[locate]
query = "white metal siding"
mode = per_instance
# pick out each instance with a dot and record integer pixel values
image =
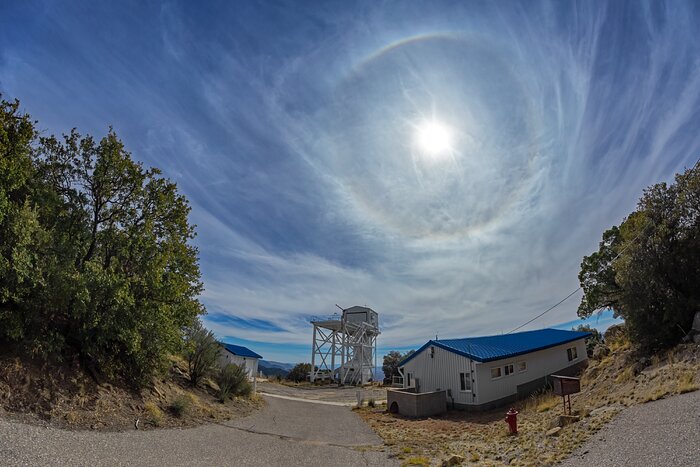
(539, 364)
(443, 369)
(441, 372)
(249, 363)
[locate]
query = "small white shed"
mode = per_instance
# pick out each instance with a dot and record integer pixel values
(484, 372)
(239, 355)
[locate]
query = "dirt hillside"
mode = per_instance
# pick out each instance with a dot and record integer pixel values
(65, 396)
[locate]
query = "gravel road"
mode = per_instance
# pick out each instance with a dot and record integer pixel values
(661, 433)
(288, 433)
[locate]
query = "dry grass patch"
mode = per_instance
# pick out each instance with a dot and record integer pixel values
(686, 383)
(153, 413)
(416, 461)
(626, 375)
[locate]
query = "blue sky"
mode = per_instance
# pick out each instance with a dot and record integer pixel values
(291, 127)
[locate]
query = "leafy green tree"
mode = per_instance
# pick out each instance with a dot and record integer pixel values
(595, 339)
(201, 352)
(20, 230)
(299, 372)
(597, 276)
(646, 271)
(390, 365)
(96, 259)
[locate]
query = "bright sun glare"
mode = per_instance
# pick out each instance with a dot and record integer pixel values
(433, 138)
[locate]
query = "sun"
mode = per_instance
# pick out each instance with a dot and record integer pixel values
(433, 138)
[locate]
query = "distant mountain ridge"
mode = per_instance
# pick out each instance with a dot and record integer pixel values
(272, 368)
(280, 365)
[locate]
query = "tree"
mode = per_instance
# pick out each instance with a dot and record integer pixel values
(647, 270)
(96, 260)
(130, 274)
(597, 276)
(20, 230)
(299, 372)
(390, 366)
(201, 352)
(595, 339)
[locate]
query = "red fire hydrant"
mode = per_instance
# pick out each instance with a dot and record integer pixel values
(512, 420)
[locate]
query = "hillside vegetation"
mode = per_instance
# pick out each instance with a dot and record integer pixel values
(97, 268)
(647, 269)
(99, 286)
(64, 396)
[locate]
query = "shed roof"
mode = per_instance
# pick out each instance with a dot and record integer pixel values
(240, 351)
(489, 348)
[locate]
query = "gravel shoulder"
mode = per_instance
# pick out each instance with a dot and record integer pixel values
(661, 433)
(288, 433)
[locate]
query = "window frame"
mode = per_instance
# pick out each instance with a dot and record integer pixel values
(465, 377)
(572, 353)
(500, 372)
(524, 364)
(506, 371)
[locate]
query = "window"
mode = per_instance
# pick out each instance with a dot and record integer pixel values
(409, 377)
(465, 381)
(572, 353)
(508, 369)
(496, 372)
(522, 366)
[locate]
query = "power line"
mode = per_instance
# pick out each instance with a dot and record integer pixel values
(546, 311)
(695, 166)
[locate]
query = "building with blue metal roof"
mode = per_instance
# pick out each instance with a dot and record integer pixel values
(242, 356)
(241, 351)
(487, 371)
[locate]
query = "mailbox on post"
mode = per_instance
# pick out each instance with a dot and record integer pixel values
(564, 386)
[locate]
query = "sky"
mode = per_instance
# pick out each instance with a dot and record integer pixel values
(297, 131)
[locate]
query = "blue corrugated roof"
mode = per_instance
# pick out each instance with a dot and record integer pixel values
(240, 351)
(489, 348)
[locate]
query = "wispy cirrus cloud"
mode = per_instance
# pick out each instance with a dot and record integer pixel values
(291, 129)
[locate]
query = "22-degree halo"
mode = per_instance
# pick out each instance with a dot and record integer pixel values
(465, 83)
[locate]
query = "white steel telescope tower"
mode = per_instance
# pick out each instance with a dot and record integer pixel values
(345, 349)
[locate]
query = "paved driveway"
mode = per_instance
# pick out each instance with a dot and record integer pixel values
(346, 395)
(285, 433)
(661, 433)
(310, 422)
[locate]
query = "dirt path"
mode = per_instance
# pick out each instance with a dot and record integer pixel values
(288, 433)
(661, 433)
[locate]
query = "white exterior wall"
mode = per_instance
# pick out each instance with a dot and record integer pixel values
(249, 363)
(539, 364)
(442, 372)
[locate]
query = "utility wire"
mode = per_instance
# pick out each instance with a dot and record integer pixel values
(696, 166)
(546, 311)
